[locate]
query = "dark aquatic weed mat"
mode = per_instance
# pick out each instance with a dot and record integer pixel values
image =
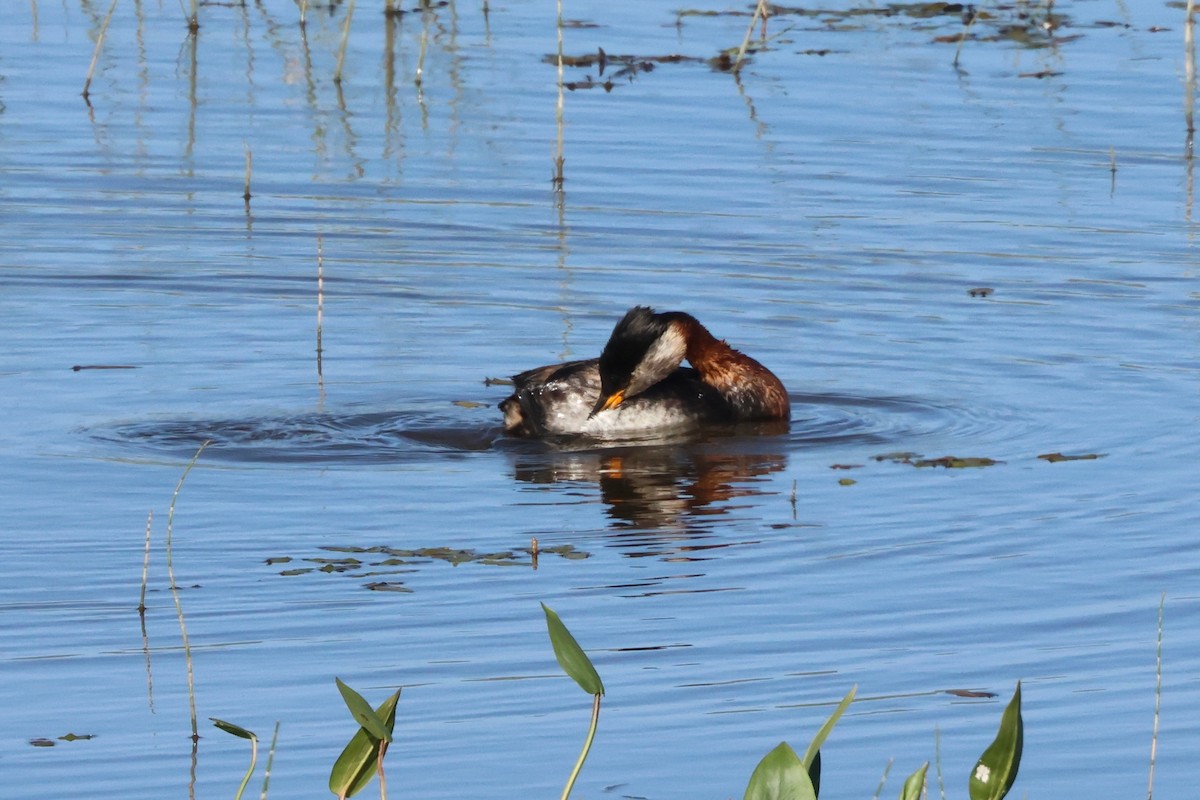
(619, 67)
(944, 23)
(383, 561)
(1025, 24)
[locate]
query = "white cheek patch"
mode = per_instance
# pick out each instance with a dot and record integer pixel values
(663, 357)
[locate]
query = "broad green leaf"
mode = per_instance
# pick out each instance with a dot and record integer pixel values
(362, 712)
(236, 730)
(914, 784)
(997, 767)
(356, 765)
(570, 655)
(780, 776)
(814, 746)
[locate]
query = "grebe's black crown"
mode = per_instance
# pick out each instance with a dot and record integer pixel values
(631, 339)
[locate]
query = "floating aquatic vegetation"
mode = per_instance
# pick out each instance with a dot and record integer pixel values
(1056, 457)
(381, 561)
(898, 457)
(42, 741)
(954, 462)
(627, 67)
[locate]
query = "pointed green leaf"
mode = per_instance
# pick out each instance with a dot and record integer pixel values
(997, 767)
(571, 656)
(362, 712)
(914, 784)
(780, 776)
(814, 746)
(236, 730)
(356, 765)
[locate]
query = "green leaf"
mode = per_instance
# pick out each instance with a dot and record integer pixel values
(236, 730)
(362, 712)
(997, 767)
(780, 776)
(356, 765)
(814, 747)
(571, 656)
(914, 784)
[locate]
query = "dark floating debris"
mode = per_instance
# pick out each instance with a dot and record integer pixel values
(627, 67)
(954, 462)
(981, 291)
(82, 367)
(387, 586)
(899, 457)
(1056, 457)
(969, 693)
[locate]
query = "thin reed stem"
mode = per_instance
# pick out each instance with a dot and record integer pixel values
(337, 73)
(937, 757)
(1189, 66)
(973, 15)
(193, 18)
(87, 84)
(187, 650)
(145, 564)
(320, 298)
(249, 163)
(419, 78)
(559, 159)
(270, 761)
(1157, 696)
(883, 780)
(760, 12)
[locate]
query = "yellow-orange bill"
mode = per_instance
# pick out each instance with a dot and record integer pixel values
(614, 400)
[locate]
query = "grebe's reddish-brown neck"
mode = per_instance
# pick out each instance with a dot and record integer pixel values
(751, 389)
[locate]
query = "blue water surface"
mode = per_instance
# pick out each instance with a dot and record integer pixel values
(990, 261)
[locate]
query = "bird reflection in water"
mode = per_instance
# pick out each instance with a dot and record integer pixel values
(660, 500)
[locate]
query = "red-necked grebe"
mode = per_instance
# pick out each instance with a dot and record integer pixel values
(638, 387)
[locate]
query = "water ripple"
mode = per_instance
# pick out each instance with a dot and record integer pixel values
(818, 420)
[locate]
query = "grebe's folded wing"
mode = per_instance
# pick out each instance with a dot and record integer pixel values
(540, 375)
